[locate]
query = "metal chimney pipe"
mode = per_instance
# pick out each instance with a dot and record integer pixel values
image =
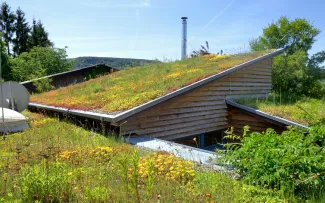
(184, 37)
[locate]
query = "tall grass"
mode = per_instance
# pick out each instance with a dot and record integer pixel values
(57, 161)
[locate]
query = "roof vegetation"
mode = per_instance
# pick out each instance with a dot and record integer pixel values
(303, 110)
(129, 88)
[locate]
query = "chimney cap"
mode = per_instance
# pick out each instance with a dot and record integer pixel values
(184, 18)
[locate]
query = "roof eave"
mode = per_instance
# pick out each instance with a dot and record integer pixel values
(88, 114)
(265, 115)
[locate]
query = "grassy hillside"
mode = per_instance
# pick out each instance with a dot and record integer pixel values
(59, 162)
(120, 63)
(132, 87)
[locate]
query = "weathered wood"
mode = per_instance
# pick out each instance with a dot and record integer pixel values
(207, 127)
(194, 132)
(241, 84)
(194, 104)
(148, 124)
(179, 126)
(237, 88)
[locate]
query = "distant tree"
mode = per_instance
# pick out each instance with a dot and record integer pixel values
(40, 61)
(39, 36)
(294, 71)
(298, 34)
(7, 19)
(22, 30)
(5, 66)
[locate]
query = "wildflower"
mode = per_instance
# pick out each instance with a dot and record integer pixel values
(50, 195)
(194, 139)
(5, 179)
(70, 173)
(208, 195)
(246, 159)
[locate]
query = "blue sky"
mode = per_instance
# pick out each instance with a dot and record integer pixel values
(151, 29)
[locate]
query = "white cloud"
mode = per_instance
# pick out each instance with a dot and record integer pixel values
(145, 3)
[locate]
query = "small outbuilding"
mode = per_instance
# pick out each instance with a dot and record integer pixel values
(72, 77)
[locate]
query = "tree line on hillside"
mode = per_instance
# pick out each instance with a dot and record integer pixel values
(26, 50)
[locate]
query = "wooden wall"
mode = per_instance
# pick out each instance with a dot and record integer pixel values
(202, 109)
(238, 118)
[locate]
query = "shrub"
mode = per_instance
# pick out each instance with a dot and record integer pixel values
(43, 85)
(293, 162)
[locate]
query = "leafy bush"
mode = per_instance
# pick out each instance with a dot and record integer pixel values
(40, 61)
(293, 75)
(293, 72)
(43, 85)
(293, 162)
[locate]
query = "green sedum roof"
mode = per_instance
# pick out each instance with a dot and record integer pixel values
(132, 87)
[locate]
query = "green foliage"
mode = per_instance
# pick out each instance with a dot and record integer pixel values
(293, 72)
(7, 19)
(43, 85)
(38, 36)
(293, 162)
(298, 34)
(224, 189)
(44, 182)
(40, 61)
(57, 161)
(5, 66)
(22, 33)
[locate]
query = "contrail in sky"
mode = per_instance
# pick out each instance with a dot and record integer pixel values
(216, 16)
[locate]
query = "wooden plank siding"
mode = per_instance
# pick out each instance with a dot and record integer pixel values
(203, 109)
(238, 119)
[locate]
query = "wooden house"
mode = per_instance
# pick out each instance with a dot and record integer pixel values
(72, 77)
(204, 109)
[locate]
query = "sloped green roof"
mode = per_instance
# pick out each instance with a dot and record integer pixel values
(129, 88)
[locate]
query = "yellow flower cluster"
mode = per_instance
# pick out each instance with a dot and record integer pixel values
(175, 75)
(40, 122)
(214, 57)
(99, 153)
(166, 165)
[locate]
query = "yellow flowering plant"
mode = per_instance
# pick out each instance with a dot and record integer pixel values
(165, 165)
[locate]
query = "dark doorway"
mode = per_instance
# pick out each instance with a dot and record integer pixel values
(208, 141)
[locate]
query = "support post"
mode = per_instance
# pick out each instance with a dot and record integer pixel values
(201, 141)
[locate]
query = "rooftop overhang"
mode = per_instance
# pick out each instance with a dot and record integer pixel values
(265, 116)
